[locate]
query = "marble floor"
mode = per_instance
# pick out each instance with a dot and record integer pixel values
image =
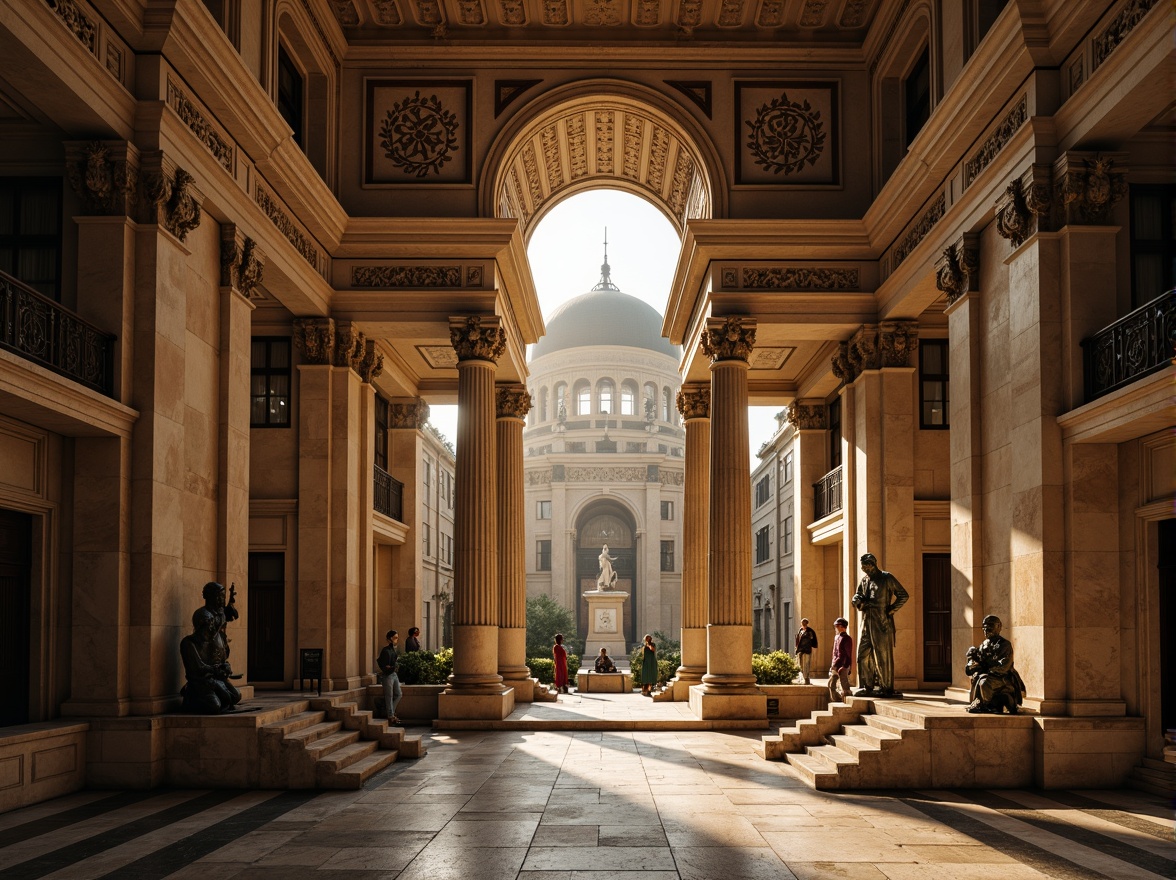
(558, 805)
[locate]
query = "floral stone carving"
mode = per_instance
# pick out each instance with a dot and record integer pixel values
(477, 338)
(785, 135)
(513, 401)
(732, 339)
(419, 135)
(694, 402)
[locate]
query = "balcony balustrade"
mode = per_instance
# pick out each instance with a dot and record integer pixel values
(1133, 347)
(42, 331)
(827, 494)
(388, 494)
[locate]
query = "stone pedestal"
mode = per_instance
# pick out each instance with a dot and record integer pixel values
(606, 618)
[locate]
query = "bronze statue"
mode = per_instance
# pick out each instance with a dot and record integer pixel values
(996, 685)
(878, 596)
(206, 654)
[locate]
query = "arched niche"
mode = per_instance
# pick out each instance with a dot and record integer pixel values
(602, 134)
(606, 521)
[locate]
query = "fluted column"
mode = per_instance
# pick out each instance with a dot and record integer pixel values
(694, 405)
(728, 689)
(513, 404)
(475, 687)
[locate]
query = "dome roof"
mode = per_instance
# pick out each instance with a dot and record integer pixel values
(604, 316)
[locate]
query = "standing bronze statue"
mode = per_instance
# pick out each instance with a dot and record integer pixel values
(205, 654)
(996, 685)
(878, 596)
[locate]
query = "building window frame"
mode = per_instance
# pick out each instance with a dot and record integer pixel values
(786, 467)
(542, 510)
(763, 545)
(916, 96)
(763, 490)
(543, 554)
(667, 511)
(381, 444)
(275, 404)
(934, 384)
(18, 243)
(786, 549)
(291, 94)
(1163, 246)
(834, 417)
(667, 556)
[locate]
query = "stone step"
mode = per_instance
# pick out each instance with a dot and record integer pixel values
(328, 766)
(1162, 766)
(293, 723)
(813, 772)
(890, 724)
(355, 775)
(320, 748)
(857, 741)
(306, 735)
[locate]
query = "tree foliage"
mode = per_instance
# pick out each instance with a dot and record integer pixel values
(545, 618)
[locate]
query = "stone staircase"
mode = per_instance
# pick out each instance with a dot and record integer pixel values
(331, 742)
(1157, 777)
(813, 730)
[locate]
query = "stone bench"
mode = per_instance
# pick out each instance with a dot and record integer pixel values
(604, 682)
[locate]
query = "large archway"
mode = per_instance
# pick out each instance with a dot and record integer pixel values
(606, 522)
(602, 133)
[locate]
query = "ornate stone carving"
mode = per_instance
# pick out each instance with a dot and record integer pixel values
(370, 364)
(242, 263)
(800, 278)
(531, 169)
(345, 13)
(555, 12)
(689, 14)
(412, 415)
(577, 146)
(813, 13)
(199, 126)
(842, 366)
(428, 13)
(406, 276)
(537, 478)
(680, 189)
(729, 339)
(1016, 219)
(898, 341)
(854, 13)
(863, 350)
(174, 202)
(349, 343)
(730, 13)
(512, 12)
(605, 474)
(77, 21)
(1116, 32)
(1088, 186)
(631, 151)
(387, 13)
(995, 142)
(513, 401)
(273, 209)
(549, 140)
(807, 416)
(786, 135)
(418, 135)
(659, 149)
(604, 141)
(694, 401)
(104, 175)
(958, 269)
(671, 478)
(470, 12)
(646, 13)
(602, 13)
(477, 338)
(315, 338)
(919, 231)
(771, 14)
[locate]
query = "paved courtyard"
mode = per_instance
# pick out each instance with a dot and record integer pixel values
(560, 805)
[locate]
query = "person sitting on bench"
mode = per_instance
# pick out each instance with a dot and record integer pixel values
(604, 662)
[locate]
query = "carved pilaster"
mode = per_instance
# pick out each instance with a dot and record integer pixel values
(958, 270)
(729, 339)
(242, 262)
(104, 174)
(370, 364)
(171, 198)
(898, 341)
(413, 414)
(694, 401)
(807, 416)
(477, 338)
(512, 401)
(315, 338)
(1088, 185)
(841, 365)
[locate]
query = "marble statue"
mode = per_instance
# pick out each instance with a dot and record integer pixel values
(996, 685)
(878, 596)
(607, 579)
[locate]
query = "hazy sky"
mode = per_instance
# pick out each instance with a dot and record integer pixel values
(567, 249)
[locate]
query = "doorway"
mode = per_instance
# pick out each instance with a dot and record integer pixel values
(1167, 608)
(16, 557)
(267, 616)
(937, 617)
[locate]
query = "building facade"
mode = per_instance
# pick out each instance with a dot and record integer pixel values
(773, 529)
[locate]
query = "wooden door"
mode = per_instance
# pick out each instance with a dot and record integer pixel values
(15, 583)
(937, 617)
(267, 617)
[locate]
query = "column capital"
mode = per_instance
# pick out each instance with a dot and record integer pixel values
(242, 261)
(694, 401)
(408, 414)
(513, 401)
(170, 195)
(958, 270)
(807, 416)
(370, 363)
(1087, 185)
(104, 174)
(898, 340)
(315, 338)
(729, 339)
(477, 337)
(1024, 204)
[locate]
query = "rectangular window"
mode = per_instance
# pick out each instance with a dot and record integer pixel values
(544, 510)
(763, 545)
(916, 90)
(667, 555)
(30, 232)
(269, 382)
(835, 434)
(290, 86)
(763, 490)
(1153, 241)
(788, 468)
(381, 433)
(543, 555)
(447, 549)
(428, 481)
(449, 490)
(933, 383)
(426, 544)
(787, 536)
(667, 510)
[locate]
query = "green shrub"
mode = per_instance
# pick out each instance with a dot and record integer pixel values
(543, 668)
(425, 667)
(778, 667)
(545, 618)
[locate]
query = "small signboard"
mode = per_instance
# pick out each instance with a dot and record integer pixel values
(310, 667)
(773, 706)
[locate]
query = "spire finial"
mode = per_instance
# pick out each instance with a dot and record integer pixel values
(605, 282)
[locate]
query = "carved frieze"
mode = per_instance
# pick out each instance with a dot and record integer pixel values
(813, 13)
(602, 13)
(659, 149)
(406, 276)
(273, 209)
(731, 13)
(471, 12)
(77, 21)
(104, 175)
(604, 142)
(428, 13)
(387, 13)
(577, 146)
(634, 135)
(552, 162)
(898, 341)
(192, 117)
(995, 142)
(242, 262)
(556, 13)
(796, 278)
(771, 14)
(412, 415)
(689, 14)
(694, 401)
(531, 170)
(537, 478)
(1119, 28)
(512, 401)
(345, 13)
(807, 416)
(729, 338)
(513, 13)
(1088, 185)
(315, 338)
(919, 231)
(958, 269)
(646, 13)
(680, 187)
(671, 478)
(853, 15)
(605, 474)
(173, 201)
(477, 338)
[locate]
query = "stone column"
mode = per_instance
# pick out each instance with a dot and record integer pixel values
(399, 589)
(694, 405)
(808, 418)
(513, 405)
(475, 688)
(728, 689)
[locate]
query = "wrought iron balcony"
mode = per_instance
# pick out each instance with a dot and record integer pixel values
(388, 494)
(827, 494)
(1133, 347)
(40, 330)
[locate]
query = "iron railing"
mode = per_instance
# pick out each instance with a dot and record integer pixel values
(388, 494)
(827, 494)
(1133, 347)
(40, 330)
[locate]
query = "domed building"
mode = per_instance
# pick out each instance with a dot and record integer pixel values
(604, 447)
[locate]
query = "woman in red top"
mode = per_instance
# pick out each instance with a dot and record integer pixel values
(561, 664)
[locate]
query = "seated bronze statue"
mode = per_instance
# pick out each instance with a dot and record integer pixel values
(208, 691)
(996, 685)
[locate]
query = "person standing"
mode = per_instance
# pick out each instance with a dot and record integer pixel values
(560, 654)
(841, 663)
(413, 642)
(806, 642)
(878, 596)
(388, 663)
(648, 666)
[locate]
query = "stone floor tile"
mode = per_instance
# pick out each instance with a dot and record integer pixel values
(464, 863)
(566, 835)
(820, 846)
(586, 814)
(730, 863)
(710, 831)
(959, 872)
(302, 856)
(208, 871)
(371, 858)
(601, 858)
(490, 833)
(838, 871)
(251, 847)
(632, 835)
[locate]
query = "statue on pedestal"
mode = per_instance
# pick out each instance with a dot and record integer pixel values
(607, 580)
(996, 684)
(205, 654)
(878, 596)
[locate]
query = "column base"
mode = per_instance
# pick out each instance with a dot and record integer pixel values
(458, 706)
(728, 706)
(524, 688)
(681, 683)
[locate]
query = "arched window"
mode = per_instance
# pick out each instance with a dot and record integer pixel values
(666, 407)
(650, 401)
(560, 399)
(628, 399)
(542, 405)
(583, 399)
(604, 396)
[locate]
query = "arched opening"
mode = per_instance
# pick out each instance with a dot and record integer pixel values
(606, 522)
